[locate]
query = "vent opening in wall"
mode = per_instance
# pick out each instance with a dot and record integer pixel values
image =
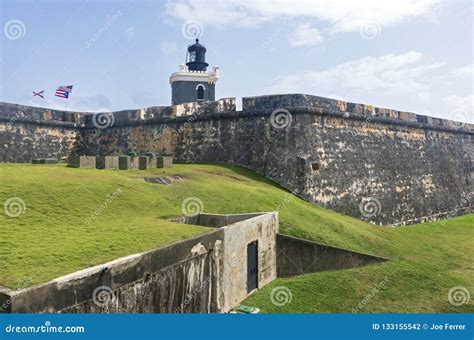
(315, 166)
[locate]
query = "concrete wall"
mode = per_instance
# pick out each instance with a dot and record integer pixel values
(198, 275)
(215, 220)
(161, 280)
(239, 231)
(263, 229)
(297, 256)
(5, 300)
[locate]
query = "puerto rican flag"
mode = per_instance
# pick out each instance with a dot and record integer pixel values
(63, 91)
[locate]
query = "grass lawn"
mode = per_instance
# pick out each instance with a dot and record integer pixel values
(52, 237)
(426, 262)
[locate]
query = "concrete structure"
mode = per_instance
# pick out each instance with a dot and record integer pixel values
(376, 164)
(77, 161)
(196, 108)
(210, 273)
(164, 162)
(297, 256)
(146, 162)
(107, 162)
(128, 163)
(204, 274)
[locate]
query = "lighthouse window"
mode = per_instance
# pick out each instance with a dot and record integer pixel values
(200, 92)
(192, 56)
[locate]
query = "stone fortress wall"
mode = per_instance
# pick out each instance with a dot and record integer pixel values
(381, 165)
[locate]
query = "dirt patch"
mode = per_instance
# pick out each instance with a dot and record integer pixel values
(165, 180)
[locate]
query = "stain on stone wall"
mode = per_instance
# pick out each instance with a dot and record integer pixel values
(188, 287)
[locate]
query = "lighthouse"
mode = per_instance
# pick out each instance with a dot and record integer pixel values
(193, 83)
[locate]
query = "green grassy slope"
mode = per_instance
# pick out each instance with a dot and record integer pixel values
(51, 238)
(426, 262)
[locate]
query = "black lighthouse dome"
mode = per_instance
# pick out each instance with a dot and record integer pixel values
(196, 58)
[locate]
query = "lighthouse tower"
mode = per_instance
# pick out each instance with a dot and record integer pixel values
(193, 82)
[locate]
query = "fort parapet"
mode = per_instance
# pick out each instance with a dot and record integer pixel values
(381, 165)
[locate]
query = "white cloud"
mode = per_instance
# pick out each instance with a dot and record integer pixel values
(305, 35)
(339, 15)
(367, 77)
(405, 82)
(465, 71)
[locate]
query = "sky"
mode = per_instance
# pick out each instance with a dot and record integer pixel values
(407, 55)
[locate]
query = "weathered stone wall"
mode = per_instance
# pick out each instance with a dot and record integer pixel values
(384, 171)
(381, 165)
(30, 132)
(297, 256)
(24, 142)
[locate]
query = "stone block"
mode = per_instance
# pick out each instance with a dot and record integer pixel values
(107, 162)
(77, 161)
(407, 116)
(128, 163)
(382, 112)
(341, 105)
(146, 162)
(226, 105)
(44, 161)
(124, 162)
(422, 119)
(164, 162)
(362, 109)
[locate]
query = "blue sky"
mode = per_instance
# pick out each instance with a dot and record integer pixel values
(405, 54)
